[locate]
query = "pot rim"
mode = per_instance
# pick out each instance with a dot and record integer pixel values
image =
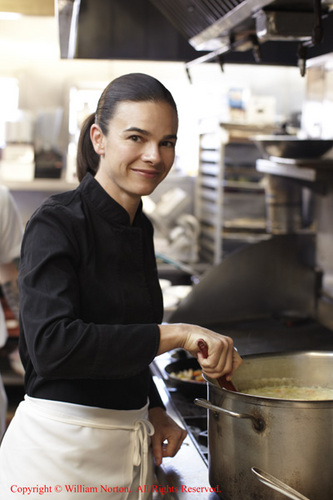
(270, 401)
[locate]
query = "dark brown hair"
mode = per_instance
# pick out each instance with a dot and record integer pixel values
(135, 87)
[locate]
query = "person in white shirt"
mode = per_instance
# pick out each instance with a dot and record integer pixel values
(10, 245)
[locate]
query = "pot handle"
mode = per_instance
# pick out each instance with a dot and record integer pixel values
(258, 424)
(277, 485)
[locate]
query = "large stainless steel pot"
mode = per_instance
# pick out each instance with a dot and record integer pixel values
(276, 484)
(292, 440)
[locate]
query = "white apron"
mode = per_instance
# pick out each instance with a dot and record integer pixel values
(60, 449)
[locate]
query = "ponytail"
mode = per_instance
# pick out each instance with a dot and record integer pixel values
(87, 159)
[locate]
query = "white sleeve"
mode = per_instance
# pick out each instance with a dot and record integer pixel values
(10, 227)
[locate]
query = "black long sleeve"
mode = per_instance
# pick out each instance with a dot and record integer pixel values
(90, 302)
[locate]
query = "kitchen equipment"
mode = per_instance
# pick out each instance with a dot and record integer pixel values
(188, 387)
(277, 485)
(48, 126)
(17, 162)
(19, 129)
(261, 280)
(176, 232)
(183, 239)
(222, 381)
(48, 158)
(292, 439)
(283, 199)
(289, 146)
(48, 164)
(216, 26)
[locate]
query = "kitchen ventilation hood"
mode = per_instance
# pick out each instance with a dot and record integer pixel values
(274, 31)
(284, 32)
(118, 29)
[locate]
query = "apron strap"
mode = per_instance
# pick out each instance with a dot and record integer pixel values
(143, 430)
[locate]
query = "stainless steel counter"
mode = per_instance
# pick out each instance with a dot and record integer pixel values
(185, 476)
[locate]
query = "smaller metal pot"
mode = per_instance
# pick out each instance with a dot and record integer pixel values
(187, 387)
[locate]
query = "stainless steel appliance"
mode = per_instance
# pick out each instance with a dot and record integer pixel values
(268, 31)
(252, 27)
(292, 439)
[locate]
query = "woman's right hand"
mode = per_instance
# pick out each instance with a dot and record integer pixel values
(222, 358)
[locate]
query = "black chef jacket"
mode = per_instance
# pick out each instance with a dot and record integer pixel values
(90, 302)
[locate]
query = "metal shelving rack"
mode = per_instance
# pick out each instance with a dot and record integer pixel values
(212, 182)
(209, 194)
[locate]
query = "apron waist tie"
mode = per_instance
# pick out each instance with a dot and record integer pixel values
(144, 430)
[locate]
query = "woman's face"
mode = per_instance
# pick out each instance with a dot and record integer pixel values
(138, 151)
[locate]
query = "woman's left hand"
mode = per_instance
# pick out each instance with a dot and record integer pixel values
(168, 436)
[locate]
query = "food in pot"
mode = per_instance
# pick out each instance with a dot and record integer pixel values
(189, 375)
(284, 390)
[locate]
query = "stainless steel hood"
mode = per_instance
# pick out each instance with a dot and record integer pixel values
(207, 23)
(224, 26)
(118, 29)
(284, 32)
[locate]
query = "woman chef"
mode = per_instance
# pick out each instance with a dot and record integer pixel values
(91, 312)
